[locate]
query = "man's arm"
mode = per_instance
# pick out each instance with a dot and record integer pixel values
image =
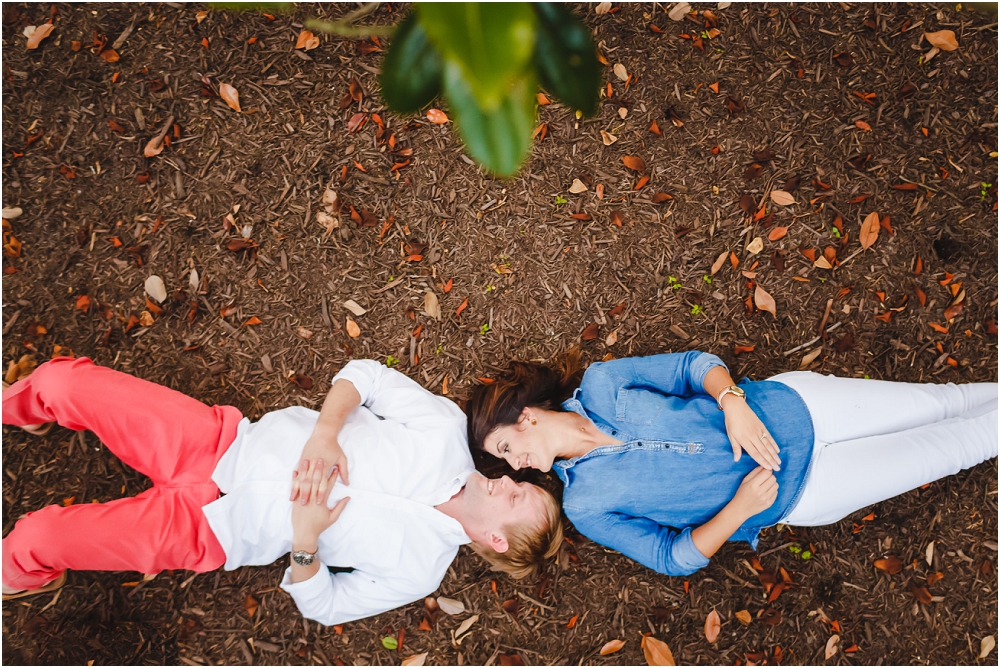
(342, 398)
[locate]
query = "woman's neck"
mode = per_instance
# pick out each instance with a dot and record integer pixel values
(582, 436)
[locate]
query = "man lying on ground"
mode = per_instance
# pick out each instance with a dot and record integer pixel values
(397, 515)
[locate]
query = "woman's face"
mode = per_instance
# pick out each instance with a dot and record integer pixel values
(523, 444)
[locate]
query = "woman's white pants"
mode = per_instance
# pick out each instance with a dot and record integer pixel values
(877, 439)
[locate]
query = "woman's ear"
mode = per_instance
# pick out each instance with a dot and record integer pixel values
(527, 416)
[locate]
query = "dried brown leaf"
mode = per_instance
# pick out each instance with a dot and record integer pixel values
(764, 301)
(869, 230)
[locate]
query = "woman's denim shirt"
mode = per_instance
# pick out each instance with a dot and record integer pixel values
(674, 470)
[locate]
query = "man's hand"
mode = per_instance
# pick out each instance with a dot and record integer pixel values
(756, 493)
(322, 445)
(747, 432)
(311, 517)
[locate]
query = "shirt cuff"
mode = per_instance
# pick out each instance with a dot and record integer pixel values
(362, 374)
(701, 365)
(686, 555)
(309, 593)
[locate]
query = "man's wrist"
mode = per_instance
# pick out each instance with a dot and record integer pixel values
(308, 544)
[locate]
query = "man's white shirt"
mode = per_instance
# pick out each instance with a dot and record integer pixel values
(407, 452)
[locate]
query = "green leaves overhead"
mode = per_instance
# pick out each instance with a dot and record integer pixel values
(498, 138)
(411, 72)
(491, 43)
(487, 58)
(565, 57)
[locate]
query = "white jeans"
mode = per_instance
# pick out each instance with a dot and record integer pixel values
(876, 439)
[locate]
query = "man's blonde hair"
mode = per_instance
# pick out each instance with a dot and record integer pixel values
(528, 546)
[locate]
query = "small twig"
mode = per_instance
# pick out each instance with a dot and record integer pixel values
(539, 604)
(775, 549)
(850, 257)
(810, 341)
(826, 315)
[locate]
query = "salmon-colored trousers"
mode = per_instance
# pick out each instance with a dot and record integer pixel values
(166, 435)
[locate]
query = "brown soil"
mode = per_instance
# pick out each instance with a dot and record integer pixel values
(535, 278)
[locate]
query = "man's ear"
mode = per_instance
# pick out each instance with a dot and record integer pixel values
(498, 542)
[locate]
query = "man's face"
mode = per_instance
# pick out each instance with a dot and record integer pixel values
(500, 502)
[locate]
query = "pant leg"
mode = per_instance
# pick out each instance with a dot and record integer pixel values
(160, 432)
(844, 409)
(162, 528)
(850, 475)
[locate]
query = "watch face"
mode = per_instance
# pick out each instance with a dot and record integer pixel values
(303, 558)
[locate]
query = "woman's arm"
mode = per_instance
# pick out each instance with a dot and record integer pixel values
(745, 430)
(756, 494)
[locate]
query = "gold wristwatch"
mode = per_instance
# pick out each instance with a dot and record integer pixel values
(732, 389)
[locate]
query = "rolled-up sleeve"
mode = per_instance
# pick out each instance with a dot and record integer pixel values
(661, 548)
(679, 374)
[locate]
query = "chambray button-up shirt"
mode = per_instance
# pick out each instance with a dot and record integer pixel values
(674, 470)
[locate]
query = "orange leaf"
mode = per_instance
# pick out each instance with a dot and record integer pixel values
(572, 622)
(733, 260)
(205, 43)
(920, 593)
(742, 349)
(905, 186)
(776, 591)
(41, 32)
(764, 301)
(643, 180)
(306, 41)
(661, 197)
(352, 328)
(542, 99)
(230, 96)
(414, 258)
(714, 87)
(952, 311)
(83, 303)
(777, 233)
(890, 565)
(447, 286)
(947, 278)
(616, 217)
(869, 230)
(938, 328)
(110, 55)
(713, 626)
(611, 647)
(462, 307)
(251, 605)
(657, 652)
(253, 320)
(424, 625)
(861, 125)
(590, 332)
(655, 128)
(921, 297)
(541, 130)
(885, 317)
(634, 163)
(934, 578)
(437, 116)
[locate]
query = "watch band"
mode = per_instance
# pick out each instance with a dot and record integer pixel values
(732, 389)
(303, 558)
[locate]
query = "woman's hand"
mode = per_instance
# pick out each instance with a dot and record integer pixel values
(322, 444)
(756, 494)
(747, 432)
(311, 517)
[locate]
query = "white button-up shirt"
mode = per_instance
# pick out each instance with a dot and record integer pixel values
(407, 452)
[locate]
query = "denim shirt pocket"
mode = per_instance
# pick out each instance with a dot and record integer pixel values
(639, 407)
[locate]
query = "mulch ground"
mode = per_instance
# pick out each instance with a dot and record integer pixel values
(99, 218)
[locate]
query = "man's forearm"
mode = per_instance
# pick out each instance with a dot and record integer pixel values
(711, 535)
(342, 398)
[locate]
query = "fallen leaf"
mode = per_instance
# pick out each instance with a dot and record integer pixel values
(353, 330)
(679, 11)
(611, 647)
(450, 606)
(986, 646)
(510, 659)
(415, 660)
(251, 605)
(602, 8)
(616, 217)
(306, 41)
(461, 307)
(920, 593)
(201, 16)
(354, 307)
(578, 187)
(155, 288)
(590, 332)
(937, 328)
(738, 350)
(753, 171)
(657, 652)
(748, 204)
(641, 183)
(952, 311)
(466, 625)
(617, 310)
(764, 301)
(612, 338)
(713, 626)
(38, 34)
(620, 71)
(154, 147)
(714, 87)
(942, 39)
(719, 262)
(810, 357)
(783, 198)
(572, 622)
(735, 106)
(844, 59)
(861, 125)
(777, 233)
(659, 198)
(934, 578)
(356, 121)
(832, 645)
(755, 246)
(655, 128)
(891, 565)
(822, 263)
(608, 138)
(905, 186)
(437, 116)
(869, 230)
(929, 553)
(230, 96)
(634, 163)
(744, 617)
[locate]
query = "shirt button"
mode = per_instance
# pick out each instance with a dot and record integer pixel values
(614, 433)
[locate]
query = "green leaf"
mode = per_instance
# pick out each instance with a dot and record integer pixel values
(411, 71)
(390, 643)
(491, 43)
(500, 138)
(566, 57)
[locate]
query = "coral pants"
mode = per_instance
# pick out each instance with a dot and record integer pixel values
(166, 435)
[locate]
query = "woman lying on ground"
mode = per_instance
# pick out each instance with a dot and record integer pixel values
(649, 448)
(414, 495)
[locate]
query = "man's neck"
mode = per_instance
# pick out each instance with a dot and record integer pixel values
(455, 506)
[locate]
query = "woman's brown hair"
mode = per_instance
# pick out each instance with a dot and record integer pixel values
(523, 384)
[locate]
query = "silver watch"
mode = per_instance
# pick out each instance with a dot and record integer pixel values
(732, 389)
(303, 558)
